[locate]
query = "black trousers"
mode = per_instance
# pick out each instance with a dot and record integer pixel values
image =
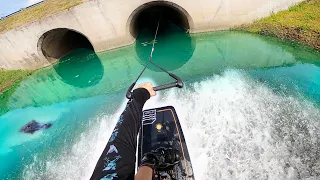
(119, 156)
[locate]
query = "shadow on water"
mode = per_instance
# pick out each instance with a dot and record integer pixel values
(173, 48)
(81, 68)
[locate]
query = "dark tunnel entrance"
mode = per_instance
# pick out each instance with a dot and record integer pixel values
(148, 15)
(78, 63)
(174, 46)
(57, 43)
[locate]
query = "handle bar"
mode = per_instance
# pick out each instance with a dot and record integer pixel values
(178, 84)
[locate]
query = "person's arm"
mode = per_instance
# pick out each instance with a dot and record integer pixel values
(144, 173)
(119, 156)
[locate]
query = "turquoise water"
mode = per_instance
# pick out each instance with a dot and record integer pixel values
(250, 108)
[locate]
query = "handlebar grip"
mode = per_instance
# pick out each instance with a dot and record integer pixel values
(178, 84)
(166, 86)
(129, 93)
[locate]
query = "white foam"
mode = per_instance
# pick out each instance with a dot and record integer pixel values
(78, 163)
(235, 129)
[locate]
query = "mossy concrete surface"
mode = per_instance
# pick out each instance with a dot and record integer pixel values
(10, 77)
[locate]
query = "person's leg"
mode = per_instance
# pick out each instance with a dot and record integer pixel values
(119, 156)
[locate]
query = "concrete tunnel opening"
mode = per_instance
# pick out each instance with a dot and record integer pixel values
(57, 43)
(173, 46)
(148, 15)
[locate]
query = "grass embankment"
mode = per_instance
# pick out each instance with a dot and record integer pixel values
(9, 78)
(300, 23)
(47, 8)
(42, 10)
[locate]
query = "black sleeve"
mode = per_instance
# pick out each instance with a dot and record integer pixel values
(119, 156)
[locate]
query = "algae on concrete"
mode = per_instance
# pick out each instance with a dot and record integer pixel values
(4, 98)
(300, 23)
(9, 81)
(10, 77)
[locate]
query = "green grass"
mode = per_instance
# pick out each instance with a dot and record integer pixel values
(10, 77)
(42, 10)
(300, 23)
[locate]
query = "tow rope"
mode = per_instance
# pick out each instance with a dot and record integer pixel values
(178, 82)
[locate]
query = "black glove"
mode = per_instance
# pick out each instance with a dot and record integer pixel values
(161, 158)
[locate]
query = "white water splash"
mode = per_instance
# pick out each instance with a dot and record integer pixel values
(235, 129)
(80, 162)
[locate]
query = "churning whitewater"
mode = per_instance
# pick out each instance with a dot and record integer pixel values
(235, 127)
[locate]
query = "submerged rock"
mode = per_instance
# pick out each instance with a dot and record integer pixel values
(34, 126)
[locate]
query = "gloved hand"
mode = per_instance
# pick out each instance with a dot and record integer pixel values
(161, 158)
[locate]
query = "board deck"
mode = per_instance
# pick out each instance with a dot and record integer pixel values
(161, 128)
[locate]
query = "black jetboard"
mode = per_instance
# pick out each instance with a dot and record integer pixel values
(161, 128)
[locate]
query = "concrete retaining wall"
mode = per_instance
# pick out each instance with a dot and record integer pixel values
(106, 24)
